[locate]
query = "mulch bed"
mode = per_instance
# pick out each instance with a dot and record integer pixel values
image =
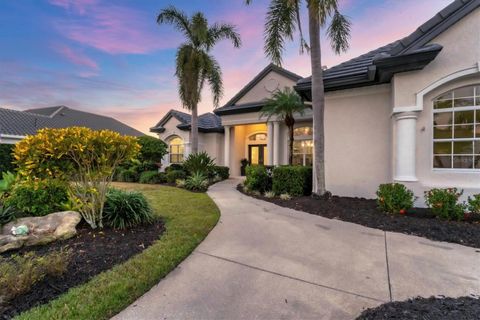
(93, 251)
(464, 308)
(418, 221)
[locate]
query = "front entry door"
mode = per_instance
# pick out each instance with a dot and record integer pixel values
(257, 154)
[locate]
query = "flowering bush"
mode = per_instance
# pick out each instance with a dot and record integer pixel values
(87, 159)
(394, 198)
(474, 204)
(444, 203)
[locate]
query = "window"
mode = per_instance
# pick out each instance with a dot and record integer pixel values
(456, 129)
(303, 146)
(258, 137)
(176, 149)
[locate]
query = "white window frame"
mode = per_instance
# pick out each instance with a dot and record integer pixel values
(476, 108)
(303, 138)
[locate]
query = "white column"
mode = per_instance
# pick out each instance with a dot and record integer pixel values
(226, 145)
(276, 143)
(405, 141)
(270, 145)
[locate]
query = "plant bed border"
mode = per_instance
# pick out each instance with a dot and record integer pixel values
(417, 222)
(112, 291)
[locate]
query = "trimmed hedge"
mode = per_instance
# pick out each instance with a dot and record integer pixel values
(258, 179)
(174, 166)
(174, 175)
(6, 158)
(294, 180)
(152, 177)
(222, 172)
(128, 175)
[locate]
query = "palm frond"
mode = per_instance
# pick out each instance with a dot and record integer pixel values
(177, 18)
(214, 77)
(339, 32)
(223, 31)
(199, 29)
(283, 104)
(281, 22)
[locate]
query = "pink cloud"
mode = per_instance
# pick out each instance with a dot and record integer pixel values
(78, 6)
(115, 29)
(76, 57)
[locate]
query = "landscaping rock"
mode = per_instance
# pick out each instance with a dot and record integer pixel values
(42, 230)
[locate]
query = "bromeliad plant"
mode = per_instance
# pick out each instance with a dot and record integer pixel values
(85, 158)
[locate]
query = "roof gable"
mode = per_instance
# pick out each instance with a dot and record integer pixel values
(207, 122)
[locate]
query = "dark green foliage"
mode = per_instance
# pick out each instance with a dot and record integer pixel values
(173, 175)
(199, 162)
(145, 166)
(128, 175)
(444, 203)
(124, 209)
(222, 172)
(7, 183)
(258, 179)
(152, 177)
(6, 158)
(293, 180)
(174, 166)
(196, 182)
(152, 149)
(474, 204)
(38, 198)
(7, 214)
(394, 198)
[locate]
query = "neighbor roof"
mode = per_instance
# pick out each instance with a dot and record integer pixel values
(21, 123)
(207, 122)
(408, 54)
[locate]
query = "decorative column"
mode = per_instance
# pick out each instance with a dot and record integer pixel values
(405, 141)
(270, 145)
(276, 143)
(226, 157)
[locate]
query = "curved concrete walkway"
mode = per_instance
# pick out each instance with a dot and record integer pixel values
(266, 262)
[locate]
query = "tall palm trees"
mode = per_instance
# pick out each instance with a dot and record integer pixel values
(284, 104)
(283, 18)
(194, 63)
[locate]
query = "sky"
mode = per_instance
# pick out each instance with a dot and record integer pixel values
(111, 57)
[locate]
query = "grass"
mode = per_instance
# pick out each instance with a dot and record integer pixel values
(188, 217)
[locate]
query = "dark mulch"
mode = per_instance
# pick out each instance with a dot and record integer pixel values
(93, 251)
(418, 221)
(464, 308)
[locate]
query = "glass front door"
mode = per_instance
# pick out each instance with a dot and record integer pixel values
(257, 154)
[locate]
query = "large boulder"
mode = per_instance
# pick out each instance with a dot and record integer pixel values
(42, 230)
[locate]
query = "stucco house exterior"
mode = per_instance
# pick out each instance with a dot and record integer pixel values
(408, 112)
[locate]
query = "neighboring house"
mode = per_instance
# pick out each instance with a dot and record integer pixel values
(406, 112)
(15, 125)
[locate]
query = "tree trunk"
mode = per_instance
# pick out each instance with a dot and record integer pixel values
(290, 145)
(194, 130)
(318, 103)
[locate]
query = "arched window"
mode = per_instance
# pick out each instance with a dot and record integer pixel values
(258, 137)
(176, 150)
(303, 146)
(456, 129)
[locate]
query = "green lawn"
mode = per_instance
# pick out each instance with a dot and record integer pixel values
(189, 217)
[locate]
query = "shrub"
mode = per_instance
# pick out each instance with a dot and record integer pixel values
(174, 175)
(145, 166)
(258, 179)
(83, 156)
(7, 214)
(174, 166)
(285, 197)
(180, 183)
(196, 182)
(18, 273)
(38, 198)
(7, 183)
(199, 162)
(6, 158)
(222, 172)
(269, 194)
(152, 150)
(294, 180)
(124, 209)
(444, 203)
(128, 175)
(394, 198)
(474, 204)
(152, 177)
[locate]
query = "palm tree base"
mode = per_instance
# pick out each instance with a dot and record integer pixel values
(326, 196)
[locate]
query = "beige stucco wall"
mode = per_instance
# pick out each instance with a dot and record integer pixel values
(259, 92)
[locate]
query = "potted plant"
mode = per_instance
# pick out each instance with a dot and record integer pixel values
(244, 163)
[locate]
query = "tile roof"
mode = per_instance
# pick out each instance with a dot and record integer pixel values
(27, 122)
(207, 122)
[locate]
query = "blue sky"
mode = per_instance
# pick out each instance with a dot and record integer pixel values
(111, 57)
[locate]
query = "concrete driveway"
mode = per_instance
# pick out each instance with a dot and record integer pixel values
(266, 262)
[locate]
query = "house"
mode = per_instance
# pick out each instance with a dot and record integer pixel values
(408, 112)
(15, 125)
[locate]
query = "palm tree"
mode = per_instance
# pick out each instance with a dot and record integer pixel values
(284, 104)
(283, 18)
(194, 63)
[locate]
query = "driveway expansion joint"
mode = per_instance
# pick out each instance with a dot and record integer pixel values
(290, 277)
(388, 267)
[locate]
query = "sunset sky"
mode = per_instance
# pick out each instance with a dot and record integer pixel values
(110, 57)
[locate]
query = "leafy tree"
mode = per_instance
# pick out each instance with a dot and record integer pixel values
(6, 158)
(284, 104)
(152, 149)
(194, 63)
(283, 19)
